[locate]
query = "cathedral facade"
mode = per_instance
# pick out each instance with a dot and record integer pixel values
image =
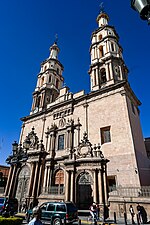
(79, 147)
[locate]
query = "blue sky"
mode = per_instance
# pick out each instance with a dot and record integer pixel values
(28, 29)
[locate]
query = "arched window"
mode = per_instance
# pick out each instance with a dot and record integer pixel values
(100, 37)
(38, 100)
(42, 81)
(101, 51)
(94, 78)
(50, 79)
(57, 70)
(57, 83)
(45, 67)
(112, 47)
(103, 75)
(59, 180)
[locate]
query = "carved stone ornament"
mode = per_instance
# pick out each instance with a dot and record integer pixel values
(62, 122)
(85, 179)
(84, 149)
(33, 139)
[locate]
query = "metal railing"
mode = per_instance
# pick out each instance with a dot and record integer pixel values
(130, 191)
(54, 190)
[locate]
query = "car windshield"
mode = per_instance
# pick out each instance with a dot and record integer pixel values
(2, 200)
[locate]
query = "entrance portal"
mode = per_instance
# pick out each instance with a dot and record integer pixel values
(22, 188)
(84, 191)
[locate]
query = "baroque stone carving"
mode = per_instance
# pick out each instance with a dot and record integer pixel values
(84, 149)
(85, 178)
(32, 139)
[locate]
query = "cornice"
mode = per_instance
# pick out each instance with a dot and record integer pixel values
(102, 28)
(51, 59)
(86, 97)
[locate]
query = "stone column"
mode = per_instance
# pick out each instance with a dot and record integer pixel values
(35, 178)
(34, 102)
(12, 180)
(111, 71)
(68, 139)
(100, 187)
(67, 187)
(72, 187)
(97, 76)
(43, 119)
(48, 178)
(94, 187)
(52, 143)
(42, 100)
(92, 54)
(39, 180)
(15, 183)
(86, 117)
(31, 179)
(45, 178)
(8, 180)
(47, 142)
(105, 185)
(78, 128)
(107, 72)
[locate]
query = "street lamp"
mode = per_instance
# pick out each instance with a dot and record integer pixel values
(143, 7)
(15, 147)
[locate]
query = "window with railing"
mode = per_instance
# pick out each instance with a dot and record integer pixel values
(58, 183)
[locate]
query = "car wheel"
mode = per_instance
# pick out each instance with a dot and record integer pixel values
(57, 221)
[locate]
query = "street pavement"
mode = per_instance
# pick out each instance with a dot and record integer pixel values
(85, 221)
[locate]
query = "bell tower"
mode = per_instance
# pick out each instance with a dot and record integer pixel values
(107, 64)
(50, 81)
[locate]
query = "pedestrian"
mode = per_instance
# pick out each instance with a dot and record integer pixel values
(131, 210)
(143, 215)
(36, 214)
(93, 211)
(139, 215)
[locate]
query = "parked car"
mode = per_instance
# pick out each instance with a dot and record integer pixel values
(56, 213)
(8, 206)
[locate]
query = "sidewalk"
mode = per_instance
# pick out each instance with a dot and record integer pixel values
(120, 221)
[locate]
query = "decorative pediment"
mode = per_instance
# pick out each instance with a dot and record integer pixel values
(84, 149)
(32, 140)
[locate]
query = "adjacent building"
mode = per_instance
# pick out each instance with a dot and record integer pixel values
(4, 171)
